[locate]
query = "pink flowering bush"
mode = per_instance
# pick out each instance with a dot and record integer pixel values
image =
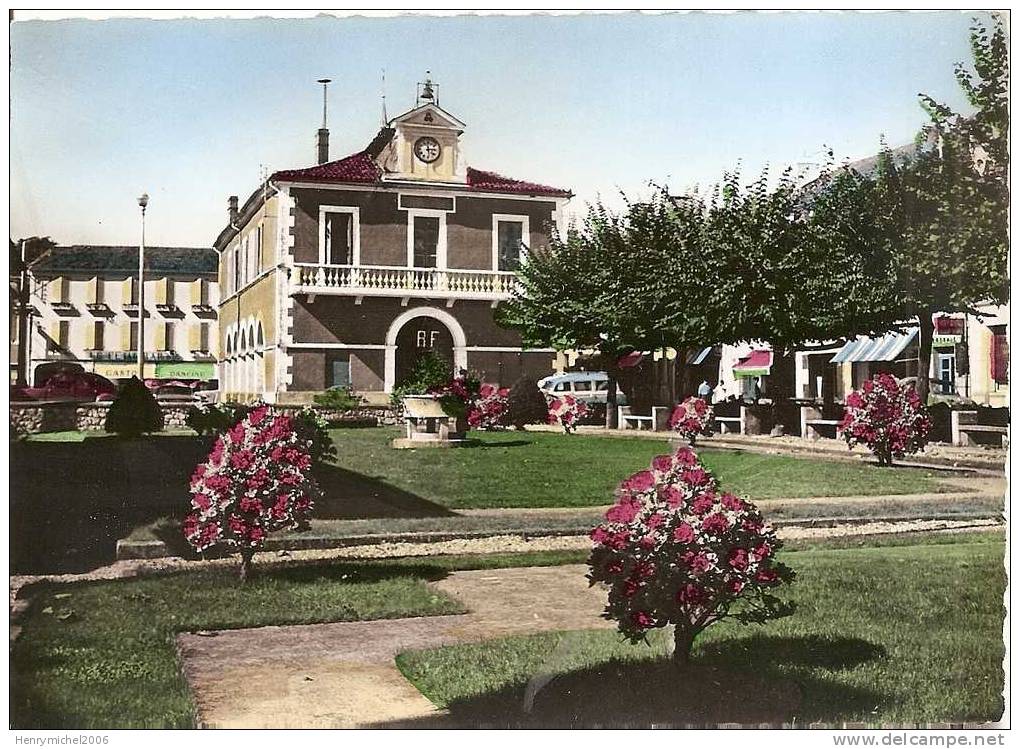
(458, 395)
(691, 418)
(491, 409)
(566, 410)
(676, 550)
(256, 480)
(887, 417)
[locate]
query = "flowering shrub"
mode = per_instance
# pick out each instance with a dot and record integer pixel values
(457, 395)
(886, 417)
(491, 409)
(691, 418)
(675, 550)
(566, 410)
(256, 480)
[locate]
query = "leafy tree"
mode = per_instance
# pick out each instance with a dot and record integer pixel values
(134, 411)
(945, 210)
(608, 286)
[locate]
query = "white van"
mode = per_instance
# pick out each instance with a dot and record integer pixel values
(590, 387)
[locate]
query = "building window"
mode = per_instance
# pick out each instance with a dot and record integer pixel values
(425, 236)
(509, 239)
(60, 334)
(98, 335)
(340, 372)
(168, 336)
(236, 255)
(258, 250)
(96, 292)
(203, 337)
(133, 336)
(1000, 358)
(131, 291)
(339, 229)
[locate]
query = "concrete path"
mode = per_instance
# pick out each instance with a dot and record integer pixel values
(343, 675)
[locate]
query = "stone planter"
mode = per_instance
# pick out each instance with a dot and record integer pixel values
(428, 425)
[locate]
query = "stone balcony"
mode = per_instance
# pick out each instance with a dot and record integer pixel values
(390, 281)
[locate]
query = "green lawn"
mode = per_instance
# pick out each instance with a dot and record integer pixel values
(542, 469)
(888, 634)
(101, 655)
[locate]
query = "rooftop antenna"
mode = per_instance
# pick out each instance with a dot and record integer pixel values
(325, 84)
(385, 119)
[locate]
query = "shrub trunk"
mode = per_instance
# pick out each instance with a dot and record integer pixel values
(683, 643)
(246, 561)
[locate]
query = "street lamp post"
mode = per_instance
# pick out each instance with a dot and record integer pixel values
(143, 202)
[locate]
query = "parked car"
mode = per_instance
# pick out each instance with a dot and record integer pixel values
(68, 386)
(590, 387)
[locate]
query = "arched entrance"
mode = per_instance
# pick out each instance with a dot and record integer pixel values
(420, 337)
(417, 331)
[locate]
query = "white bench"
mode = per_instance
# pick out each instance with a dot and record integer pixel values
(813, 427)
(964, 423)
(730, 424)
(657, 422)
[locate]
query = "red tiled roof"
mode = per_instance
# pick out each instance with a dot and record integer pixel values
(361, 168)
(492, 182)
(358, 167)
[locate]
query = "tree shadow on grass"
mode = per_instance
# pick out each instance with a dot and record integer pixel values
(70, 502)
(479, 444)
(348, 495)
(752, 680)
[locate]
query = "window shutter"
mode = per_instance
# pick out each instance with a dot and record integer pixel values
(55, 334)
(64, 327)
(125, 337)
(160, 296)
(57, 289)
(90, 337)
(196, 292)
(1000, 358)
(168, 336)
(160, 337)
(195, 337)
(129, 294)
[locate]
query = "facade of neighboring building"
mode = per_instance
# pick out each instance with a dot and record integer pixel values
(345, 273)
(84, 307)
(969, 360)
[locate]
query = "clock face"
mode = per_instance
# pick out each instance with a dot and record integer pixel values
(427, 149)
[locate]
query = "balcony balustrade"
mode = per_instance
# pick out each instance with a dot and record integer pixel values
(378, 280)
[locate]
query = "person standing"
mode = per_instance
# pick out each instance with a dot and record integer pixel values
(704, 389)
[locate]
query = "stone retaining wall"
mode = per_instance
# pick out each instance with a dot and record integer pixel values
(34, 417)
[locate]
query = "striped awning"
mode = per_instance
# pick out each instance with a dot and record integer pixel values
(864, 348)
(756, 364)
(699, 356)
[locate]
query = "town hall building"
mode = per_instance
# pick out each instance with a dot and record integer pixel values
(346, 272)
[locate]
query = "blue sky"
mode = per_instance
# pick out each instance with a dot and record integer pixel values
(187, 110)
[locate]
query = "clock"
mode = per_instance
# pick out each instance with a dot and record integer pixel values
(427, 149)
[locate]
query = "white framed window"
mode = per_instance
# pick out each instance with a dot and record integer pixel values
(426, 238)
(339, 235)
(511, 234)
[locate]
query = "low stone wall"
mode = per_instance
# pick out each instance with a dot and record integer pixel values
(363, 415)
(35, 417)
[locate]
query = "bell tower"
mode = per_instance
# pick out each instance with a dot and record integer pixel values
(426, 143)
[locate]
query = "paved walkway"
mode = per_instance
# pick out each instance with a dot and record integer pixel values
(343, 675)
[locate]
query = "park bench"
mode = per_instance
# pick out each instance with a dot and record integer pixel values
(657, 421)
(964, 424)
(814, 428)
(730, 424)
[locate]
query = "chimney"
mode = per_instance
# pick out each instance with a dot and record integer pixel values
(232, 208)
(323, 150)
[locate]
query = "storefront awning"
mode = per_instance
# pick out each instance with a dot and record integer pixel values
(755, 364)
(865, 348)
(699, 356)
